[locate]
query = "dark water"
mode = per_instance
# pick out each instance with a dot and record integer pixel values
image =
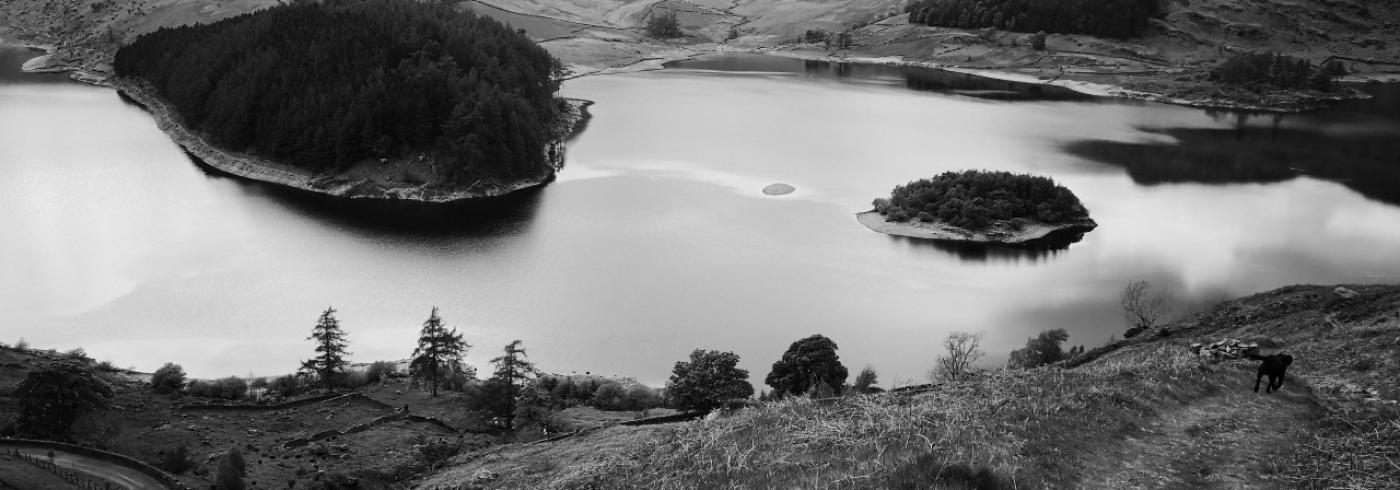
(657, 239)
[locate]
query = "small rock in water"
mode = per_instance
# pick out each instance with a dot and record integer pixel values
(778, 189)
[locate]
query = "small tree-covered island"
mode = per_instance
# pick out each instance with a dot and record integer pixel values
(980, 207)
(392, 99)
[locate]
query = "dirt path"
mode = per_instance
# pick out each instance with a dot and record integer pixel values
(1232, 439)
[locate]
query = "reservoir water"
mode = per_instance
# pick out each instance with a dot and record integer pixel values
(657, 238)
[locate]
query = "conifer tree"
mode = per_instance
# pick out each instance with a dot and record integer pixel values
(513, 370)
(439, 349)
(329, 362)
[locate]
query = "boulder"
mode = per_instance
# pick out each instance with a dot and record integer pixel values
(1344, 293)
(483, 475)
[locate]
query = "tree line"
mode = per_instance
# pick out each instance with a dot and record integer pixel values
(323, 85)
(1264, 71)
(975, 199)
(52, 396)
(1120, 19)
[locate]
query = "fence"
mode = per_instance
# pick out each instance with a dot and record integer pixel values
(118, 459)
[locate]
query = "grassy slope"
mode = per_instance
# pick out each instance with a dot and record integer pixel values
(19, 475)
(142, 425)
(1142, 413)
(1168, 63)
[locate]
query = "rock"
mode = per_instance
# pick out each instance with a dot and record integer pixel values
(778, 189)
(1344, 293)
(317, 449)
(1133, 332)
(712, 416)
(484, 475)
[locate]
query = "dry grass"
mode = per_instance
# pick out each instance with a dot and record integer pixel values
(1001, 429)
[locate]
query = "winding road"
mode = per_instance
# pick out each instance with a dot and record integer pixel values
(120, 476)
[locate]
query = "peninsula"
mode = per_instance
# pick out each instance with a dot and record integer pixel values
(389, 100)
(979, 207)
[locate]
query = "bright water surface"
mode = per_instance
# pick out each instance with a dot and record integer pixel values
(656, 238)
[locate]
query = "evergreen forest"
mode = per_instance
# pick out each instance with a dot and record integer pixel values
(322, 85)
(1119, 19)
(974, 200)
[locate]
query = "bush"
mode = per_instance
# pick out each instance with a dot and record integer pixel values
(287, 386)
(78, 354)
(1038, 41)
(230, 388)
(1041, 350)
(379, 370)
(177, 461)
(231, 471)
(665, 25)
(170, 378)
(610, 396)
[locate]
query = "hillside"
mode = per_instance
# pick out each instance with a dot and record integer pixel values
(1142, 413)
(1169, 62)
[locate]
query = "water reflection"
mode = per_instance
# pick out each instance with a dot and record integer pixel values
(490, 217)
(1245, 154)
(1031, 253)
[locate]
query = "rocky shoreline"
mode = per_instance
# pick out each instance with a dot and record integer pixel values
(1027, 235)
(264, 170)
(1296, 101)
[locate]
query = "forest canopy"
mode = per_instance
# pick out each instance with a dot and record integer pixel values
(975, 200)
(322, 85)
(1106, 18)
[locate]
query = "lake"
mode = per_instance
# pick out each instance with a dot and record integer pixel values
(657, 239)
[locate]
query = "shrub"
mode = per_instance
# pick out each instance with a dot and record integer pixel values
(665, 25)
(230, 388)
(78, 354)
(231, 471)
(177, 461)
(865, 381)
(170, 378)
(1041, 350)
(379, 370)
(287, 386)
(610, 396)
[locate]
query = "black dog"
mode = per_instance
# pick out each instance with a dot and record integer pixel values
(1274, 367)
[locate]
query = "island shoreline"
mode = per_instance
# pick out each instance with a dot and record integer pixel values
(1029, 236)
(268, 171)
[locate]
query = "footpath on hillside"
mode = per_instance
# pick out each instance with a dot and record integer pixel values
(1230, 439)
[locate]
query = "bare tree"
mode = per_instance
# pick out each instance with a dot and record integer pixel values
(1143, 307)
(961, 350)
